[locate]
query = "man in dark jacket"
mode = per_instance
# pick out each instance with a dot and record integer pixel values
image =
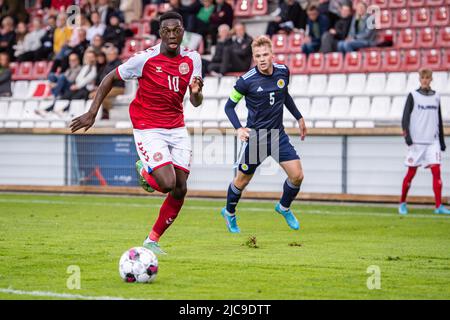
(114, 33)
(5, 76)
(291, 16)
(222, 14)
(340, 31)
(318, 24)
(7, 37)
(223, 41)
(237, 56)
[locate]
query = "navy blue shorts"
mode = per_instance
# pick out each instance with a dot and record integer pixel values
(263, 144)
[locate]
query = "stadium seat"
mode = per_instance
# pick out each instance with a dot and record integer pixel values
(303, 104)
(421, 18)
(39, 89)
(242, 8)
(443, 38)
(446, 60)
(3, 109)
(396, 83)
(281, 58)
(359, 108)
(406, 39)
(148, 43)
(386, 19)
(412, 82)
(397, 107)
(210, 86)
(297, 63)
(15, 110)
(14, 67)
(441, 17)
(317, 84)
(259, 7)
(316, 63)
(396, 4)
(132, 46)
(295, 41)
(29, 109)
(77, 108)
(380, 108)
(320, 108)
(376, 83)
(41, 70)
(226, 85)
(61, 106)
(356, 84)
(383, 4)
(387, 35)
(25, 71)
(431, 59)
(431, 3)
(20, 89)
(445, 108)
(149, 11)
(440, 80)
(339, 108)
(353, 62)
(334, 62)
(427, 38)
(336, 84)
(391, 61)
(280, 43)
(402, 18)
(416, 3)
(411, 60)
(372, 61)
(298, 85)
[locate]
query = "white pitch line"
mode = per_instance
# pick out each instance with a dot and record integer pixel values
(50, 294)
(190, 207)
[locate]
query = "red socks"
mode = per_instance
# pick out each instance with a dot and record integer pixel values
(407, 182)
(150, 180)
(437, 184)
(167, 214)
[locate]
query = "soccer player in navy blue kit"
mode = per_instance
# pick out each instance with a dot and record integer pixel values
(265, 88)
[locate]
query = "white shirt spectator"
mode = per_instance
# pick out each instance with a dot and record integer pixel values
(95, 30)
(86, 77)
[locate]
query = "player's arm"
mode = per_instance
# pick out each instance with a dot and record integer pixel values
(196, 83)
(233, 100)
(409, 106)
(290, 105)
(87, 119)
(441, 131)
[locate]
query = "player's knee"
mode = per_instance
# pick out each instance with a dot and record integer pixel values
(167, 185)
(297, 179)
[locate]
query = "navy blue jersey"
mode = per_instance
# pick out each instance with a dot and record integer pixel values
(264, 96)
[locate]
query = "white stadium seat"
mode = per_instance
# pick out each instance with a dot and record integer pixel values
(445, 108)
(376, 83)
(210, 87)
(226, 86)
(380, 108)
(413, 82)
(15, 110)
(303, 104)
(397, 107)
(29, 110)
(439, 82)
(77, 108)
(359, 108)
(298, 85)
(340, 108)
(20, 89)
(396, 83)
(356, 84)
(320, 108)
(317, 84)
(3, 109)
(336, 84)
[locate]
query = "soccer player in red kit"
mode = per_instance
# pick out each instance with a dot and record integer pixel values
(164, 73)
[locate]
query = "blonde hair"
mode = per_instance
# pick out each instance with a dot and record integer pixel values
(262, 41)
(425, 73)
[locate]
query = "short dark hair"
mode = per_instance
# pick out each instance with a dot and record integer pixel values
(312, 7)
(171, 15)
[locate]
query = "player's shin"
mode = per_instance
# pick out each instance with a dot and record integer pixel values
(407, 182)
(290, 192)
(233, 196)
(437, 184)
(167, 215)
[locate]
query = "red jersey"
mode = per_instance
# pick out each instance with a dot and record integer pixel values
(163, 82)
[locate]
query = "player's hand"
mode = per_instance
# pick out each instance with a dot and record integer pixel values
(302, 127)
(243, 134)
(196, 85)
(85, 121)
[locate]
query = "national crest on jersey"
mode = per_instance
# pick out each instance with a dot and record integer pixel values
(163, 82)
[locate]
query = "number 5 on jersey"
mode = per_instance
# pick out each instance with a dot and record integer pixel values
(272, 98)
(174, 83)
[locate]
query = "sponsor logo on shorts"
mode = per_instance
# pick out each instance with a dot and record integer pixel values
(157, 156)
(184, 68)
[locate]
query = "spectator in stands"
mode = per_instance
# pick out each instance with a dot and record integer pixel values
(106, 10)
(31, 42)
(84, 81)
(222, 14)
(61, 5)
(46, 49)
(5, 76)
(88, 6)
(21, 31)
(15, 9)
(60, 84)
(291, 16)
(334, 10)
(101, 64)
(97, 44)
(131, 9)
(81, 46)
(114, 33)
(223, 41)
(97, 27)
(361, 35)
(340, 31)
(317, 25)
(7, 37)
(202, 21)
(237, 56)
(118, 88)
(62, 34)
(188, 10)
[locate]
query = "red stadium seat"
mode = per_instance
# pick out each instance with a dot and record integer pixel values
(281, 58)
(446, 60)
(135, 27)
(383, 4)
(387, 35)
(131, 47)
(148, 42)
(316, 63)
(372, 61)
(334, 62)
(427, 38)
(391, 61)
(441, 17)
(395, 4)
(431, 59)
(149, 11)
(416, 3)
(295, 41)
(41, 70)
(411, 60)
(25, 71)
(402, 19)
(406, 39)
(444, 37)
(242, 8)
(14, 67)
(431, 3)
(280, 43)
(386, 19)
(353, 62)
(259, 7)
(297, 63)
(421, 18)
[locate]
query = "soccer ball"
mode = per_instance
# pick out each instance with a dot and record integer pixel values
(138, 265)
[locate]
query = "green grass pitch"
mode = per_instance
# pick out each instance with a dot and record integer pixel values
(42, 235)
